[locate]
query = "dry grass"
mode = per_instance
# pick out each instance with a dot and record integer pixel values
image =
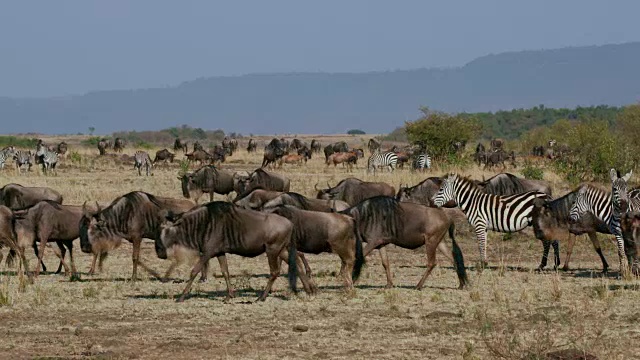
(510, 312)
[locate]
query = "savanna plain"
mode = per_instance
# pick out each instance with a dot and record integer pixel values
(510, 311)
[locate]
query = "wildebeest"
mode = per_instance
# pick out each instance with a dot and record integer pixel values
(302, 202)
(133, 216)
(256, 198)
(551, 223)
(62, 148)
(345, 158)
(508, 184)
(263, 179)
(630, 224)
(49, 221)
(252, 146)
(293, 159)
(336, 147)
(218, 228)
(199, 155)
(180, 145)
(316, 146)
(297, 144)
(18, 197)
(538, 151)
(219, 154)
(352, 191)
(207, 179)
(197, 146)
(499, 157)
(8, 237)
(317, 232)
(273, 152)
(422, 193)
(118, 145)
(383, 220)
(163, 155)
(102, 146)
(496, 144)
(373, 145)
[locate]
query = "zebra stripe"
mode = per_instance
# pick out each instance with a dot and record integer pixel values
(22, 158)
(486, 211)
(378, 159)
(6, 154)
(423, 161)
(608, 207)
(48, 158)
(141, 159)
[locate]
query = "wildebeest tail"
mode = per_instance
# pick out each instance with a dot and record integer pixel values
(293, 266)
(360, 260)
(458, 259)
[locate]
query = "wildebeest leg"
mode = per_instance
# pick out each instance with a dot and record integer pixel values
(69, 245)
(224, 267)
(43, 244)
(379, 243)
(60, 253)
(387, 267)
(444, 250)
(571, 242)
(205, 272)
(12, 254)
(596, 245)
(103, 256)
(430, 247)
(194, 272)
(556, 254)
(135, 257)
(174, 263)
(307, 283)
(307, 270)
(546, 244)
(92, 270)
(63, 252)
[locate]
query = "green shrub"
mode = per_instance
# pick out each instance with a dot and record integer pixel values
(355, 132)
(532, 172)
(92, 141)
(75, 157)
(21, 142)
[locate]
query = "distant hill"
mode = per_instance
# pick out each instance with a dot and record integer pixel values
(375, 102)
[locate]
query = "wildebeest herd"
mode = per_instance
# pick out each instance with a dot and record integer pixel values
(266, 217)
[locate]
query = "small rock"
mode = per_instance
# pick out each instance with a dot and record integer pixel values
(301, 328)
(569, 354)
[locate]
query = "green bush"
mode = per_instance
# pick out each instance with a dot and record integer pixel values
(92, 141)
(21, 142)
(532, 172)
(355, 132)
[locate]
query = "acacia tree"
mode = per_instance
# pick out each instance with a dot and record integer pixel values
(439, 131)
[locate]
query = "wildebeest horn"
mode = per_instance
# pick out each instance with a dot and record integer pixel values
(98, 208)
(316, 187)
(329, 186)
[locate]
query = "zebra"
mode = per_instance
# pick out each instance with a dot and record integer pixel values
(608, 207)
(47, 158)
(22, 158)
(388, 159)
(6, 154)
(486, 211)
(423, 161)
(141, 159)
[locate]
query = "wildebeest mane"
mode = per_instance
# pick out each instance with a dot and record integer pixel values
(561, 206)
(503, 184)
(216, 219)
(378, 212)
(297, 200)
(122, 209)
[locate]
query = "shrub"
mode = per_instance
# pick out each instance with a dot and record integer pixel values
(356, 132)
(21, 142)
(532, 172)
(92, 141)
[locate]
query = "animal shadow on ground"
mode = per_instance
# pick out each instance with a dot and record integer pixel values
(212, 295)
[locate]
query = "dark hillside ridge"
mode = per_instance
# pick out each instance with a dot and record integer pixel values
(375, 102)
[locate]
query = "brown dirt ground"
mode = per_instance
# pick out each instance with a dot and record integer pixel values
(510, 311)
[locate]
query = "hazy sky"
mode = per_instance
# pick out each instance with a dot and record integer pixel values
(71, 47)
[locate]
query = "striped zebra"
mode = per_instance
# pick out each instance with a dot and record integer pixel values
(141, 159)
(608, 207)
(423, 161)
(378, 159)
(486, 211)
(47, 158)
(22, 158)
(6, 154)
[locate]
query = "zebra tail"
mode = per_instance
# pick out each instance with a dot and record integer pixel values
(458, 259)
